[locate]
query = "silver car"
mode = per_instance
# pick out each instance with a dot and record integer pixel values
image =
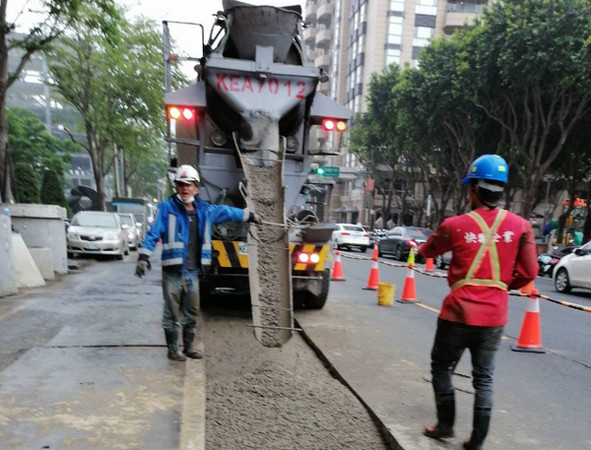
(97, 233)
(130, 226)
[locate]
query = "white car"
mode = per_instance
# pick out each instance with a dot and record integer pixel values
(349, 236)
(97, 233)
(574, 270)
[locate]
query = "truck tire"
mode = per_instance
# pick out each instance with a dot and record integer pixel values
(318, 301)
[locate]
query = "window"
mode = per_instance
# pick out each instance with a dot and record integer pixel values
(426, 7)
(422, 36)
(397, 5)
(392, 56)
(394, 30)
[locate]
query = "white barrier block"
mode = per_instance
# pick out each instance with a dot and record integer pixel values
(44, 260)
(27, 273)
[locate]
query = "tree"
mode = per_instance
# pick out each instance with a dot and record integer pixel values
(26, 183)
(111, 72)
(58, 15)
(30, 142)
(534, 58)
(52, 191)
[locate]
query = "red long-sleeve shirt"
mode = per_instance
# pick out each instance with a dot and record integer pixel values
(517, 258)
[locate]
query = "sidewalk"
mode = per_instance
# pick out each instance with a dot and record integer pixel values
(103, 381)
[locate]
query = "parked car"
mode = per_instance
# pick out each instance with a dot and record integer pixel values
(97, 233)
(131, 228)
(350, 236)
(574, 270)
(399, 240)
(372, 236)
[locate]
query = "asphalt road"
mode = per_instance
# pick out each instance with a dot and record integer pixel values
(542, 401)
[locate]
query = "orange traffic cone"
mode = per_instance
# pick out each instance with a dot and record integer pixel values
(374, 276)
(528, 288)
(337, 271)
(429, 266)
(409, 293)
(375, 254)
(530, 336)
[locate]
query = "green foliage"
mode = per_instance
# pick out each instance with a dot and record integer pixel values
(26, 183)
(111, 72)
(52, 192)
(30, 142)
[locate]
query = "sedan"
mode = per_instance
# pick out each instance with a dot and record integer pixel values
(574, 270)
(97, 233)
(399, 240)
(130, 226)
(350, 236)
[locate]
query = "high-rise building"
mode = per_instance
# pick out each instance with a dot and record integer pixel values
(350, 40)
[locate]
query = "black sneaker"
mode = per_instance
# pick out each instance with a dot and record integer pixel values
(437, 433)
(193, 354)
(176, 355)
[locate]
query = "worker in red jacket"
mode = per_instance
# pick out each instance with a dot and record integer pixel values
(493, 251)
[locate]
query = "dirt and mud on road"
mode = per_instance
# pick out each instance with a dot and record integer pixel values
(269, 398)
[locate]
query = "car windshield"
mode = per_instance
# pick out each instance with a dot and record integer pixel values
(415, 233)
(95, 220)
(127, 220)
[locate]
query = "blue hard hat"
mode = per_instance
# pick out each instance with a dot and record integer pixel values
(488, 167)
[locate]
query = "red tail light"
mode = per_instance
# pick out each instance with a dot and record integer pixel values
(366, 235)
(334, 125)
(303, 258)
(345, 233)
(175, 112)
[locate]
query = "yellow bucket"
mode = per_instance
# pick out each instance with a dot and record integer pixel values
(386, 293)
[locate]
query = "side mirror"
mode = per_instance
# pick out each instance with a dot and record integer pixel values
(580, 252)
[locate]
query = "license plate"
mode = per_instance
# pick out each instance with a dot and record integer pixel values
(91, 247)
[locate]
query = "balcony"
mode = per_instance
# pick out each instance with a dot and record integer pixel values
(324, 39)
(457, 19)
(311, 9)
(323, 62)
(325, 12)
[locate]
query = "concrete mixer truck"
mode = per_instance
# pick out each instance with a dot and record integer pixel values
(245, 124)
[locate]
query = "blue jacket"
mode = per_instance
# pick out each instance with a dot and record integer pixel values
(172, 226)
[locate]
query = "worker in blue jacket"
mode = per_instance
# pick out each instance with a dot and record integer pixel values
(184, 226)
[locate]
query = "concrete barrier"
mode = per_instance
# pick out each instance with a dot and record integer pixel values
(44, 260)
(42, 226)
(7, 272)
(27, 273)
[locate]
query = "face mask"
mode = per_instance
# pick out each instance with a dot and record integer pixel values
(189, 200)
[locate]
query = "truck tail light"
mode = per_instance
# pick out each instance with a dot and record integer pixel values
(334, 125)
(176, 112)
(305, 258)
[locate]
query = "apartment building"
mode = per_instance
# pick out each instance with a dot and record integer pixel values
(350, 40)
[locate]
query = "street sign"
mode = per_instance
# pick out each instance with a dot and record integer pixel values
(330, 171)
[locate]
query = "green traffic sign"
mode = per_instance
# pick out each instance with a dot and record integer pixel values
(330, 171)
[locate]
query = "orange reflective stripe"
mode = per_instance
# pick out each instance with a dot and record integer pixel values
(490, 245)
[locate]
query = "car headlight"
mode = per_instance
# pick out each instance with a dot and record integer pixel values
(73, 236)
(130, 236)
(111, 237)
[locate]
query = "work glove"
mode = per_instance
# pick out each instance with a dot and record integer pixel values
(252, 217)
(143, 264)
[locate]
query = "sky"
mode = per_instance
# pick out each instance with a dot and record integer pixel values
(199, 11)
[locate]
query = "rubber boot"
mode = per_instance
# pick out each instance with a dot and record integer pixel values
(446, 415)
(172, 341)
(480, 423)
(188, 340)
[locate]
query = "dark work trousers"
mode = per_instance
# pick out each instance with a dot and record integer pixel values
(181, 299)
(451, 340)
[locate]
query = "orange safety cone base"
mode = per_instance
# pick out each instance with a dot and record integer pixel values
(530, 337)
(374, 278)
(429, 265)
(370, 288)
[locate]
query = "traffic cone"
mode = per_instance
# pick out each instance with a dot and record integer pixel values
(409, 293)
(530, 336)
(528, 288)
(337, 271)
(374, 276)
(375, 254)
(429, 266)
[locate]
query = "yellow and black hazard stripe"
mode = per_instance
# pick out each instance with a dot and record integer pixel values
(234, 255)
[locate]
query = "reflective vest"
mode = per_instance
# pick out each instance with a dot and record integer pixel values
(488, 247)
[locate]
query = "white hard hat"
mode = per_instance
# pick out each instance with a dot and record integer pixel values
(187, 174)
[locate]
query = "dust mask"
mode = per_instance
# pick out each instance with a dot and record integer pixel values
(186, 202)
